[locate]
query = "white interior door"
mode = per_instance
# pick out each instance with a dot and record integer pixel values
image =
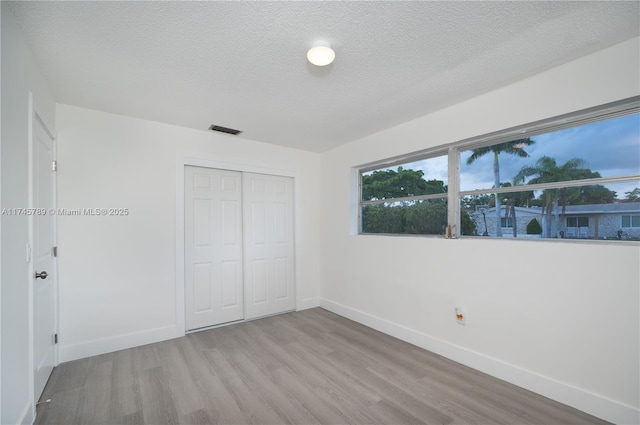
(43, 227)
(269, 244)
(213, 247)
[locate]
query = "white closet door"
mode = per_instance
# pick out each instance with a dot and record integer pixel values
(268, 243)
(213, 247)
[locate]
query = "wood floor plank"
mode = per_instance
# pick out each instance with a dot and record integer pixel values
(158, 405)
(125, 390)
(131, 419)
(392, 395)
(255, 408)
(450, 401)
(342, 381)
(199, 417)
(326, 413)
(97, 391)
(391, 414)
(308, 367)
(221, 405)
(176, 371)
(350, 409)
(304, 332)
(284, 404)
(144, 357)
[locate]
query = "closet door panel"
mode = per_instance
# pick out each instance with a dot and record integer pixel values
(268, 244)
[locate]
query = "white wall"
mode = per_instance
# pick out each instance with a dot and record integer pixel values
(559, 318)
(20, 76)
(118, 274)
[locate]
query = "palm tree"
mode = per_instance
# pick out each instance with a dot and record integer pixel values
(514, 147)
(547, 170)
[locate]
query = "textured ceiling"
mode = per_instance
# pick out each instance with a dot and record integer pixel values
(243, 64)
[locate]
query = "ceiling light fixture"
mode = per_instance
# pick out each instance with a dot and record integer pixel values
(321, 53)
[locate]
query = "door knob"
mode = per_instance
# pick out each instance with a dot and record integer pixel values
(41, 275)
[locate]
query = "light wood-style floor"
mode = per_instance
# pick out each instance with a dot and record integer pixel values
(299, 368)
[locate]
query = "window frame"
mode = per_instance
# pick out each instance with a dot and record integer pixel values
(604, 112)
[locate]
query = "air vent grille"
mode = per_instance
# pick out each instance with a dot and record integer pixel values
(224, 129)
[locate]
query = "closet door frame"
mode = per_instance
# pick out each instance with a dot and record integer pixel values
(232, 164)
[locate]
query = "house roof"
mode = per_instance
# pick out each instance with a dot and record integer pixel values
(242, 64)
(620, 207)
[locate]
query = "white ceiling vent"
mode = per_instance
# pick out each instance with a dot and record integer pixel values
(224, 129)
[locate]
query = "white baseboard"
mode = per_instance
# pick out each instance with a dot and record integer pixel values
(590, 403)
(308, 303)
(107, 345)
(81, 350)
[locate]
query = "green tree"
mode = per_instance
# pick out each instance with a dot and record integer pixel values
(546, 170)
(592, 194)
(514, 147)
(383, 219)
(533, 227)
(633, 196)
(585, 195)
(469, 226)
(426, 218)
(421, 218)
(388, 184)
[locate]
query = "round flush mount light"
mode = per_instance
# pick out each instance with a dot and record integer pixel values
(321, 54)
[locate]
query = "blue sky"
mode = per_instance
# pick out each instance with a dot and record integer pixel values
(611, 147)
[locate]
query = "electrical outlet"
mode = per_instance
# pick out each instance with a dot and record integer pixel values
(461, 316)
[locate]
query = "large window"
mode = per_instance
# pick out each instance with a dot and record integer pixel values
(574, 176)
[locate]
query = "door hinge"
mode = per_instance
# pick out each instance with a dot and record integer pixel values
(54, 251)
(55, 338)
(54, 165)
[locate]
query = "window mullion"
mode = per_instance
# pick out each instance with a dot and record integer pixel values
(453, 199)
